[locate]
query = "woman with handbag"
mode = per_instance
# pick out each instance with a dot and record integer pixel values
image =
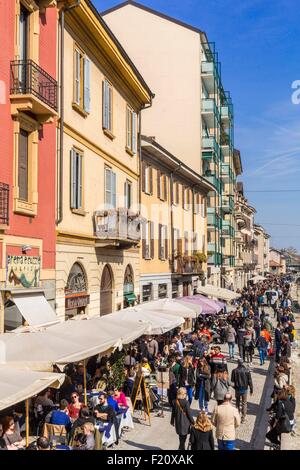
(181, 417)
(202, 389)
(284, 418)
(220, 386)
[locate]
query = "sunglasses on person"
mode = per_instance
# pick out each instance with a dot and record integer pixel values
(74, 396)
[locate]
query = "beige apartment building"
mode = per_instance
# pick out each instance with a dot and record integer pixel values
(174, 245)
(277, 262)
(244, 238)
(99, 227)
(192, 115)
(261, 250)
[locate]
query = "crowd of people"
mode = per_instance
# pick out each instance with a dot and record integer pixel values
(198, 370)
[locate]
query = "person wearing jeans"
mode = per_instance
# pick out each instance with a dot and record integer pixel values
(187, 377)
(230, 335)
(226, 419)
(262, 347)
(202, 388)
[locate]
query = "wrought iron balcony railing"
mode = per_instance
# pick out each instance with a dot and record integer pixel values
(4, 204)
(28, 78)
(120, 226)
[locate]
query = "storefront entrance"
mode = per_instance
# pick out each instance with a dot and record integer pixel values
(129, 295)
(76, 295)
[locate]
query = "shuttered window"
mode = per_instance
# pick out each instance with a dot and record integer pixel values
(186, 243)
(147, 179)
(23, 165)
(131, 130)
(76, 180)
(82, 93)
(148, 240)
(176, 193)
(107, 105)
(110, 188)
(127, 194)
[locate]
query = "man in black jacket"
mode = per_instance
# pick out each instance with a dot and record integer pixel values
(242, 380)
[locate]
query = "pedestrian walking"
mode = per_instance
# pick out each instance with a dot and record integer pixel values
(187, 377)
(230, 335)
(262, 346)
(201, 437)
(202, 389)
(181, 417)
(220, 386)
(226, 419)
(240, 339)
(242, 381)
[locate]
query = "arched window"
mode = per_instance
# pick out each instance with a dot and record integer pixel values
(76, 295)
(76, 280)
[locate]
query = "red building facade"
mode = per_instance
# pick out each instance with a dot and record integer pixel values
(28, 114)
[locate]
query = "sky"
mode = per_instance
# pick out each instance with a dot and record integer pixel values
(259, 49)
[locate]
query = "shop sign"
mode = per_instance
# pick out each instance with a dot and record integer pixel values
(23, 271)
(79, 301)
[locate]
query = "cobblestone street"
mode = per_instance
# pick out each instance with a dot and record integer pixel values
(250, 435)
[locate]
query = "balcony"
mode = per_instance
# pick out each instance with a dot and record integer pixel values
(215, 259)
(213, 221)
(228, 261)
(32, 89)
(213, 180)
(187, 265)
(119, 228)
(226, 173)
(210, 76)
(210, 148)
(210, 112)
(226, 144)
(227, 204)
(227, 229)
(4, 206)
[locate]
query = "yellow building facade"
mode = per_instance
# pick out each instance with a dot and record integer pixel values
(98, 229)
(174, 210)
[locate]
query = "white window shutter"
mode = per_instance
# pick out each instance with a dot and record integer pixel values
(114, 189)
(77, 78)
(108, 186)
(134, 133)
(73, 179)
(105, 104)
(110, 103)
(87, 91)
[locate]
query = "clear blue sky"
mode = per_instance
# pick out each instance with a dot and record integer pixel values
(259, 47)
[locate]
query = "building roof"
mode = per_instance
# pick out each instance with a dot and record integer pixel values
(154, 12)
(163, 156)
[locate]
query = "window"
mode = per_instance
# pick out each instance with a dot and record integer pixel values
(147, 179)
(197, 204)
(127, 194)
(107, 106)
(23, 32)
(23, 165)
(76, 179)
(163, 241)
(161, 186)
(176, 193)
(186, 243)
(185, 198)
(110, 188)
(162, 291)
(148, 240)
(195, 242)
(204, 207)
(131, 131)
(82, 93)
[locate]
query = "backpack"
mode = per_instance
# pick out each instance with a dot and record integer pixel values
(247, 340)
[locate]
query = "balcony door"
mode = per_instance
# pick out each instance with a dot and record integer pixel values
(23, 51)
(106, 293)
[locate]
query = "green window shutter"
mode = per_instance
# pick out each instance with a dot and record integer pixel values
(134, 133)
(73, 179)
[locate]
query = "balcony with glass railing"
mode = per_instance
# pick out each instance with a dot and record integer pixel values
(226, 143)
(227, 203)
(209, 176)
(226, 173)
(210, 147)
(213, 220)
(215, 259)
(227, 229)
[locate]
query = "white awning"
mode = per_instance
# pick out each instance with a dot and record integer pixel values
(67, 342)
(257, 278)
(171, 307)
(158, 321)
(16, 385)
(218, 292)
(34, 308)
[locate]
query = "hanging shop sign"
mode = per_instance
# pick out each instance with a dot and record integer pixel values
(23, 271)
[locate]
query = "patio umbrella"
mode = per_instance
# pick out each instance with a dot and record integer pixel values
(209, 306)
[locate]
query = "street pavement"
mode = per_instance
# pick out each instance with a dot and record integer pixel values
(250, 435)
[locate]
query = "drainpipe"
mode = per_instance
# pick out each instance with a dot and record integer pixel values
(61, 106)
